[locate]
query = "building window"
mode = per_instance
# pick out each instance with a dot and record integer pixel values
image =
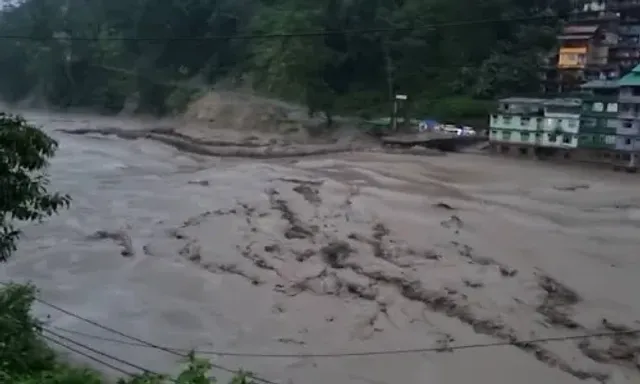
(612, 107)
(552, 137)
(524, 136)
(525, 121)
(506, 119)
(610, 140)
(572, 123)
(627, 123)
(566, 139)
(589, 123)
(627, 141)
(598, 107)
(506, 135)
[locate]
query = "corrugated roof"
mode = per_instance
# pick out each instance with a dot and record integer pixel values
(574, 37)
(632, 79)
(522, 100)
(611, 84)
(579, 29)
(564, 102)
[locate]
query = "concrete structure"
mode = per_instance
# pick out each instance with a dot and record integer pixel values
(599, 119)
(600, 42)
(561, 123)
(628, 133)
(517, 122)
(583, 55)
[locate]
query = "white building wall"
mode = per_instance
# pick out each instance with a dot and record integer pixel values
(561, 130)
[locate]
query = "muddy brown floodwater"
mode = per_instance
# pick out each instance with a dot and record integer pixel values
(344, 253)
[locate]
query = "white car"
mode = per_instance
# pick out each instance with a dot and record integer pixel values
(468, 131)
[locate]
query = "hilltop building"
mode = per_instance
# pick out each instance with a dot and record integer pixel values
(600, 42)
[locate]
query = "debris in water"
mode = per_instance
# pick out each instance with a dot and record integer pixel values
(120, 237)
(336, 253)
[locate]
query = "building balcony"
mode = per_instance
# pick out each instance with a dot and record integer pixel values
(628, 131)
(620, 5)
(597, 141)
(592, 113)
(628, 143)
(598, 129)
(611, 97)
(628, 115)
(629, 98)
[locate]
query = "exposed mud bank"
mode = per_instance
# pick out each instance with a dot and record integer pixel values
(248, 148)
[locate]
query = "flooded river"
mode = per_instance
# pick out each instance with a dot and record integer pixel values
(350, 253)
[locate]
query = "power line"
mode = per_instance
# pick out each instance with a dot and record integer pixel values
(100, 353)
(137, 339)
(318, 33)
(376, 353)
(88, 356)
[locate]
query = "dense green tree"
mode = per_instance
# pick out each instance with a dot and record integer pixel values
(99, 53)
(24, 153)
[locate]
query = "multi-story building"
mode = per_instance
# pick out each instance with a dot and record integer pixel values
(518, 123)
(628, 132)
(561, 123)
(529, 126)
(599, 119)
(583, 55)
(601, 41)
(626, 53)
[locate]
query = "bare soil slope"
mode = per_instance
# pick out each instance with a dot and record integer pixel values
(242, 115)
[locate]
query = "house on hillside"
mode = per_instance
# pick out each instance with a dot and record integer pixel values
(584, 55)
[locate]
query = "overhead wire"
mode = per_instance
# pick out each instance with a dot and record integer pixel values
(176, 351)
(100, 353)
(137, 339)
(378, 352)
(253, 36)
(317, 33)
(86, 355)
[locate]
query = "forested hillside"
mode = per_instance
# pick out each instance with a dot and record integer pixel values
(156, 54)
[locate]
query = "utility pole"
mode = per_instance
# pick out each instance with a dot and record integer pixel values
(394, 119)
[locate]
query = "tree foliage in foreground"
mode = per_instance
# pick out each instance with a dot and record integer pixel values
(24, 154)
(106, 54)
(25, 358)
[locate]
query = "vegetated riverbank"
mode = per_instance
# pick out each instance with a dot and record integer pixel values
(27, 357)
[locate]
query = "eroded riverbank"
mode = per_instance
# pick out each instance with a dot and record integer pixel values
(359, 252)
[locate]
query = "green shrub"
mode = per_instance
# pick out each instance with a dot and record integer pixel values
(25, 358)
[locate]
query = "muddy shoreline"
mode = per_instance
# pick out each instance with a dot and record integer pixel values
(251, 148)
